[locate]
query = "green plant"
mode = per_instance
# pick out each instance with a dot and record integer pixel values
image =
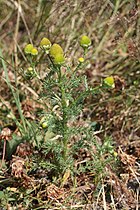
(65, 91)
(115, 30)
(7, 196)
(97, 154)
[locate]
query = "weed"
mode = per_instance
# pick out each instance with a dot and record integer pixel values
(64, 122)
(62, 87)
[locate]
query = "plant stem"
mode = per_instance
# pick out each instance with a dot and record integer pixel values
(65, 139)
(64, 115)
(3, 155)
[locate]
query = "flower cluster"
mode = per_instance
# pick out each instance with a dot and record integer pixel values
(54, 52)
(30, 50)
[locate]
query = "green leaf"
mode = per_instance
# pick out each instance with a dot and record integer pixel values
(2, 195)
(12, 145)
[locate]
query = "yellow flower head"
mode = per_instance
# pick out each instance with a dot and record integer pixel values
(34, 51)
(85, 41)
(59, 59)
(115, 154)
(30, 69)
(81, 60)
(28, 48)
(55, 50)
(45, 43)
(44, 122)
(109, 81)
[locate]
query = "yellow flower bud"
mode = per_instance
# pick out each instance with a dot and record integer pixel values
(109, 81)
(55, 50)
(81, 60)
(30, 69)
(45, 43)
(34, 51)
(44, 122)
(28, 48)
(115, 154)
(44, 125)
(85, 41)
